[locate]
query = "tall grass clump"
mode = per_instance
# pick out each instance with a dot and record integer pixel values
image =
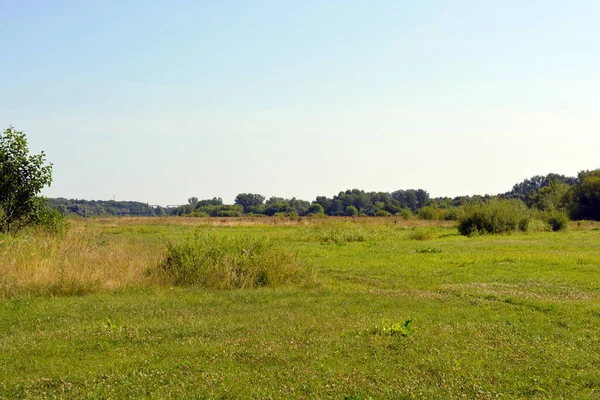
(79, 262)
(493, 216)
(232, 262)
(422, 233)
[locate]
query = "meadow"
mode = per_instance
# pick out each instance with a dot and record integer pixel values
(385, 308)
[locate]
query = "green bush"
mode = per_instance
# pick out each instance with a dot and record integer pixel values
(406, 213)
(229, 263)
(48, 219)
(351, 211)
(493, 216)
(556, 220)
(382, 213)
(315, 209)
(430, 213)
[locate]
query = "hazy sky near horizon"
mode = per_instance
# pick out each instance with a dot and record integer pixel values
(158, 101)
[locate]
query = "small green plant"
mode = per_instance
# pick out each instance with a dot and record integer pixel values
(429, 250)
(386, 328)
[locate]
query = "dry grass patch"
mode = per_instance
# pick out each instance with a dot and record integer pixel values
(80, 262)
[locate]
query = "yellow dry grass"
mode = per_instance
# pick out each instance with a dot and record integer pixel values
(82, 261)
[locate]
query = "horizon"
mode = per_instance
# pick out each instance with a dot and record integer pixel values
(159, 103)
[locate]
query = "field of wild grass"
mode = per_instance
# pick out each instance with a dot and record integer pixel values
(276, 308)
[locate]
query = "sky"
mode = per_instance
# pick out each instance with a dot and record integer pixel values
(159, 101)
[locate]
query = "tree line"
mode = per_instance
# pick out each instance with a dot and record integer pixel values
(23, 176)
(578, 197)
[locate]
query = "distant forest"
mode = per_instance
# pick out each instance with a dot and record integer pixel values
(578, 196)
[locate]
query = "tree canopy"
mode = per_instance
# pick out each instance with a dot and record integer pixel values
(22, 177)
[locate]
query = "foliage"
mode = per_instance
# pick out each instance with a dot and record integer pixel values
(527, 189)
(551, 197)
(431, 213)
(249, 200)
(413, 199)
(406, 213)
(585, 196)
(22, 177)
(229, 262)
(493, 216)
(47, 218)
(556, 220)
(351, 211)
(101, 208)
(315, 208)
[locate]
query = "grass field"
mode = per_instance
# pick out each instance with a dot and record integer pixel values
(506, 316)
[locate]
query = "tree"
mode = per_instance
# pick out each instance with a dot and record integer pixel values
(585, 196)
(22, 177)
(247, 200)
(315, 208)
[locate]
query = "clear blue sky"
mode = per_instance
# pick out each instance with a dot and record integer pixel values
(158, 101)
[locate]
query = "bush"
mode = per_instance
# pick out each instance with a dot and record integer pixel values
(48, 219)
(351, 211)
(315, 209)
(430, 213)
(229, 263)
(556, 220)
(493, 216)
(406, 213)
(382, 213)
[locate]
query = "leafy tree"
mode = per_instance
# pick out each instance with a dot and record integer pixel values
(248, 200)
(22, 177)
(551, 197)
(315, 208)
(585, 196)
(351, 211)
(193, 201)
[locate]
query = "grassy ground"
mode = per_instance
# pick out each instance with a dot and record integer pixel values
(493, 316)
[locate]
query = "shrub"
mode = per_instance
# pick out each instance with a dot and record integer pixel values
(556, 220)
(229, 263)
(493, 216)
(315, 209)
(45, 218)
(406, 213)
(430, 213)
(382, 213)
(351, 211)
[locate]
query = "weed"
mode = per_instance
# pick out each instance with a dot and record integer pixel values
(386, 328)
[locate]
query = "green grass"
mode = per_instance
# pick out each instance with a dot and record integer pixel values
(511, 316)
